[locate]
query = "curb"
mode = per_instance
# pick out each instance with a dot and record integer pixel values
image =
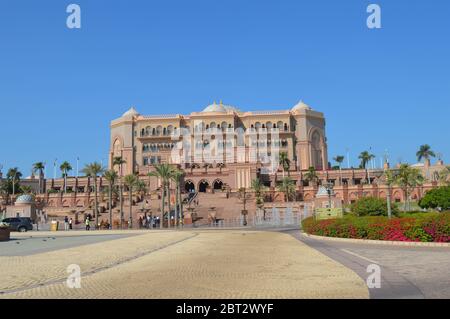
(378, 242)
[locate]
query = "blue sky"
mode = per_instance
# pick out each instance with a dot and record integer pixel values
(59, 88)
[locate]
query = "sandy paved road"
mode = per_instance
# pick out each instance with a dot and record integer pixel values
(184, 264)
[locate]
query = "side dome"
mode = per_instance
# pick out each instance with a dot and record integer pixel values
(215, 108)
(25, 199)
(301, 106)
(131, 112)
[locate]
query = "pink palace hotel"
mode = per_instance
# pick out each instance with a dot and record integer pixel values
(231, 163)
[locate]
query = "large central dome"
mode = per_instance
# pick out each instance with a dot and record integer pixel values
(215, 108)
(221, 108)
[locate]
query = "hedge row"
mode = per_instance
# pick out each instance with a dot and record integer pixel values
(431, 228)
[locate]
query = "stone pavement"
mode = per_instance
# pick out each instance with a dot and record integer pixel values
(184, 264)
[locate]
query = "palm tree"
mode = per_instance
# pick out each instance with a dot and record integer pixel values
(164, 173)
(111, 177)
(259, 189)
(339, 159)
(408, 178)
(390, 179)
(365, 158)
(311, 175)
(119, 161)
(14, 175)
(176, 176)
(284, 162)
(65, 168)
(425, 152)
(93, 170)
(287, 186)
(130, 181)
(39, 167)
(141, 188)
(26, 189)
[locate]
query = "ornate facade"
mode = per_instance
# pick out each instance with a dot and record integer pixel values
(220, 136)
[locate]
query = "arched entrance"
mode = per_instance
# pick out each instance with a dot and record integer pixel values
(202, 186)
(189, 186)
(218, 184)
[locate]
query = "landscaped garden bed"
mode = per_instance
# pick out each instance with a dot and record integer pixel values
(420, 227)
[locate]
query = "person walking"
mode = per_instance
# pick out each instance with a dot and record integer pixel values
(87, 223)
(66, 223)
(70, 223)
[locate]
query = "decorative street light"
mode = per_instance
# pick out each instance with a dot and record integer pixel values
(329, 187)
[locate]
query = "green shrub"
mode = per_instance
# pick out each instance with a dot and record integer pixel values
(371, 206)
(436, 198)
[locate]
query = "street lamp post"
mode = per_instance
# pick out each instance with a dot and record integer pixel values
(329, 188)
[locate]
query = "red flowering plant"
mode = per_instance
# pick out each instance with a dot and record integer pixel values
(424, 228)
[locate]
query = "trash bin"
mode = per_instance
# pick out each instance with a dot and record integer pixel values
(54, 225)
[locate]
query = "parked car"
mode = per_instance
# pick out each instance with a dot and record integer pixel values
(21, 224)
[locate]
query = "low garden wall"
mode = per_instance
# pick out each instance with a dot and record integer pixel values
(429, 227)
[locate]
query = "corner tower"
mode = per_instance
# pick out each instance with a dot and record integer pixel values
(311, 144)
(122, 141)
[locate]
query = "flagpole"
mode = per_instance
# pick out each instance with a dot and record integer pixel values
(54, 168)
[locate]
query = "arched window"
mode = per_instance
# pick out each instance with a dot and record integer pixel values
(202, 186)
(285, 127)
(218, 184)
(189, 186)
(257, 125)
(280, 125)
(224, 125)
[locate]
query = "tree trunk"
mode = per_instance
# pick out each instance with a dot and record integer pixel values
(389, 208)
(110, 207)
(163, 199)
(121, 202)
(176, 207)
(405, 194)
(130, 196)
(168, 206)
(95, 202)
(181, 206)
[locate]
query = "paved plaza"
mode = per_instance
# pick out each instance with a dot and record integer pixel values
(213, 263)
(175, 264)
